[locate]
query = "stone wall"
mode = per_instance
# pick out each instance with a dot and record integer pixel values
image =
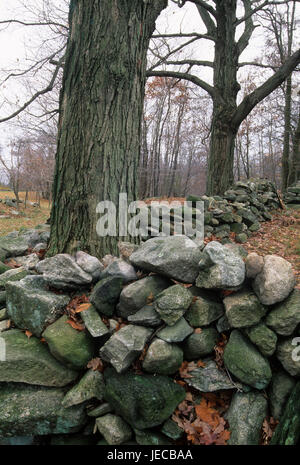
(292, 195)
(89, 345)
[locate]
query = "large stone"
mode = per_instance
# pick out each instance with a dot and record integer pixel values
(245, 362)
(175, 256)
(220, 268)
(288, 354)
(172, 303)
(121, 269)
(14, 246)
(245, 417)
(31, 306)
(285, 316)
(27, 360)
(136, 295)
(91, 386)
(199, 345)
(203, 310)
(210, 378)
(144, 401)
(125, 346)
(89, 264)
(280, 389)
(15, 274)
(176, 333)
(114, 429)
(62, 272)
(94, 323)
(276, 280)
(254, 264)
(30, 410)
(264, 338)
(147, 316)
(73, 348)
(105, 294)
(162, 358)
(243, 309)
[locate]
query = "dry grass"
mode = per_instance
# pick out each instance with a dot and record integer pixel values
(31, 217)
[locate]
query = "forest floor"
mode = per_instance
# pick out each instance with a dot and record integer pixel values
(29, 217)
(281, 236)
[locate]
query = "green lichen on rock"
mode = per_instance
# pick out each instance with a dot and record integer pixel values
(245, 362)
(144, 401)
(73, 348)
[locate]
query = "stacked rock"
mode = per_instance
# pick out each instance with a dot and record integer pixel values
(292, 194)
(170, 301)
(240, 210)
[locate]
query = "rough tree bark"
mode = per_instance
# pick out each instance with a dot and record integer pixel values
(101, 107)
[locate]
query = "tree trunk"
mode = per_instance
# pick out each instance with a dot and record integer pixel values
(222, 141)
(287, 433)
(221, 159)
(287, 134)
(101, 107)
(294, 174)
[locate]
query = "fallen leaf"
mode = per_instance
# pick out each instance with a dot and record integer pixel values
(82, 307)
(76, 325)
(96, 364)
(28, 334)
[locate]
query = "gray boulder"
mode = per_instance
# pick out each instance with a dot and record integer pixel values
(243, 309)
(203, 310)
(147, 316)
(288, 354)
(280, 389)
(176, 333)
(254, 264)
(105, 295)
(35, 411)
(264, 338)
(245, 362)
(129, 395)
(31, 306)
(125, 346)
(210, 378)
(71, 347)
(199, 345)
(12, 275)
(91, 265)
(91, 386)
(285, 316)
(13, 246)
(121, 269)
(162, 358)
(27, 360)
(245, 417)
(62, 272)
(114, 429)
(94, 323)
(137, 295)
(220, 268)
(172, 303)
(276, 280)
(175, 256)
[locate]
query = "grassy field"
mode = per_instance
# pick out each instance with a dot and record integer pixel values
(31, 216)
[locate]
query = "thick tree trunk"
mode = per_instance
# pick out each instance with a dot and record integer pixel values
(100, 117)
(287, 134)
(221, 156)
(294, 174)
(287, 433)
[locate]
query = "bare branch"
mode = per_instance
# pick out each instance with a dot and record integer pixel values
(192, 34)
(47, 89)
(190, 62)
(186, 76)
(23, 23)
(205, 6)
(265, 89)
